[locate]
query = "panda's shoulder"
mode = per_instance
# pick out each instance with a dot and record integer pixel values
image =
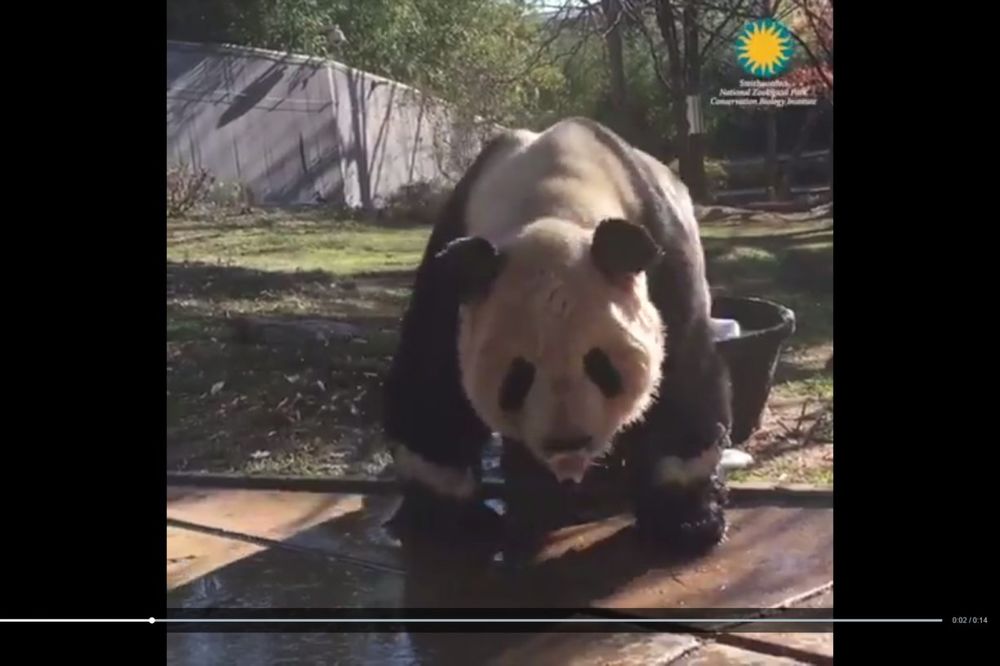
(574, 133)
(512, 139)
(674, 188)
(497, 152)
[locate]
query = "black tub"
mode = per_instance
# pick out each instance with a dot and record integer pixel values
(753, 356)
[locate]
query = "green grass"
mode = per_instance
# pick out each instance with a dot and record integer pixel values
(316, 410)
(786, 471)
(819, 386)
(745, 262)
(303, 243)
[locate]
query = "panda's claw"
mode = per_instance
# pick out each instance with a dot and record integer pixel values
(689, 522)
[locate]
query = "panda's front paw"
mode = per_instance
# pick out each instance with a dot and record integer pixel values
(688, 520)
(424, 512)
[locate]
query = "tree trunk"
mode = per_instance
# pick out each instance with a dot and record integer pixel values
(613, 38)
(678, 102)
(831, 158)
(771, 163)
(812, 115)
(626, 116)
(771, 168)
(694, 174)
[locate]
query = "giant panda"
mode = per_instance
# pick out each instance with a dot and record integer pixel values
(562, 302)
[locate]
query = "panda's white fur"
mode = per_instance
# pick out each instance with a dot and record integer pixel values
(567, 173)
(539, 201)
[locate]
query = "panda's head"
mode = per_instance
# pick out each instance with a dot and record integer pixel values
(559, 344)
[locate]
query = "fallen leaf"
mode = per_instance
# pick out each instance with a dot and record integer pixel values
(216, 387)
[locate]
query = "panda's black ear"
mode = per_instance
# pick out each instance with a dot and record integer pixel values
(470, 265)
(622, 248)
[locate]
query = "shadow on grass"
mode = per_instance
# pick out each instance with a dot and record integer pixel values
(200, 280)
(197, 280)
(261, 218)
(228, 397)
(798, 262)
(302, 404)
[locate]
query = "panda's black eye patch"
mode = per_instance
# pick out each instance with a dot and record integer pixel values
(602, 372)
(516, 385)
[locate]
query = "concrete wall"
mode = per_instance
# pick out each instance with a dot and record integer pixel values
(298, 130)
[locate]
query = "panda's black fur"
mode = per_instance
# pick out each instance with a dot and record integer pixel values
(426, 410)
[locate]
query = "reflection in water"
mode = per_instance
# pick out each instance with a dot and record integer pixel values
(282, 579)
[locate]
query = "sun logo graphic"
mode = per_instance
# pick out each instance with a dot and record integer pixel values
(764, 48)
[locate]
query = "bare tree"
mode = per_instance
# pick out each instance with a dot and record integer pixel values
(814, 34)
(812, 22)
(681, 36)
(689, 33)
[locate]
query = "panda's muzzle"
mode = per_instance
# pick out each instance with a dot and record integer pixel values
(554, 445)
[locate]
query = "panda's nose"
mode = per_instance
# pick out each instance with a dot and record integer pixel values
(566, 444)
(561, 385)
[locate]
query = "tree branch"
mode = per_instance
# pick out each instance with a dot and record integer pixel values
(560, 22)
(820, 35)
(614, 24)
(546, 43)
(668, 30)
(638, 19)
(816, 62)
(734, 12)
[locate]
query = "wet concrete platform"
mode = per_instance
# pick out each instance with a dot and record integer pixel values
(466, 649)
(266, 549)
